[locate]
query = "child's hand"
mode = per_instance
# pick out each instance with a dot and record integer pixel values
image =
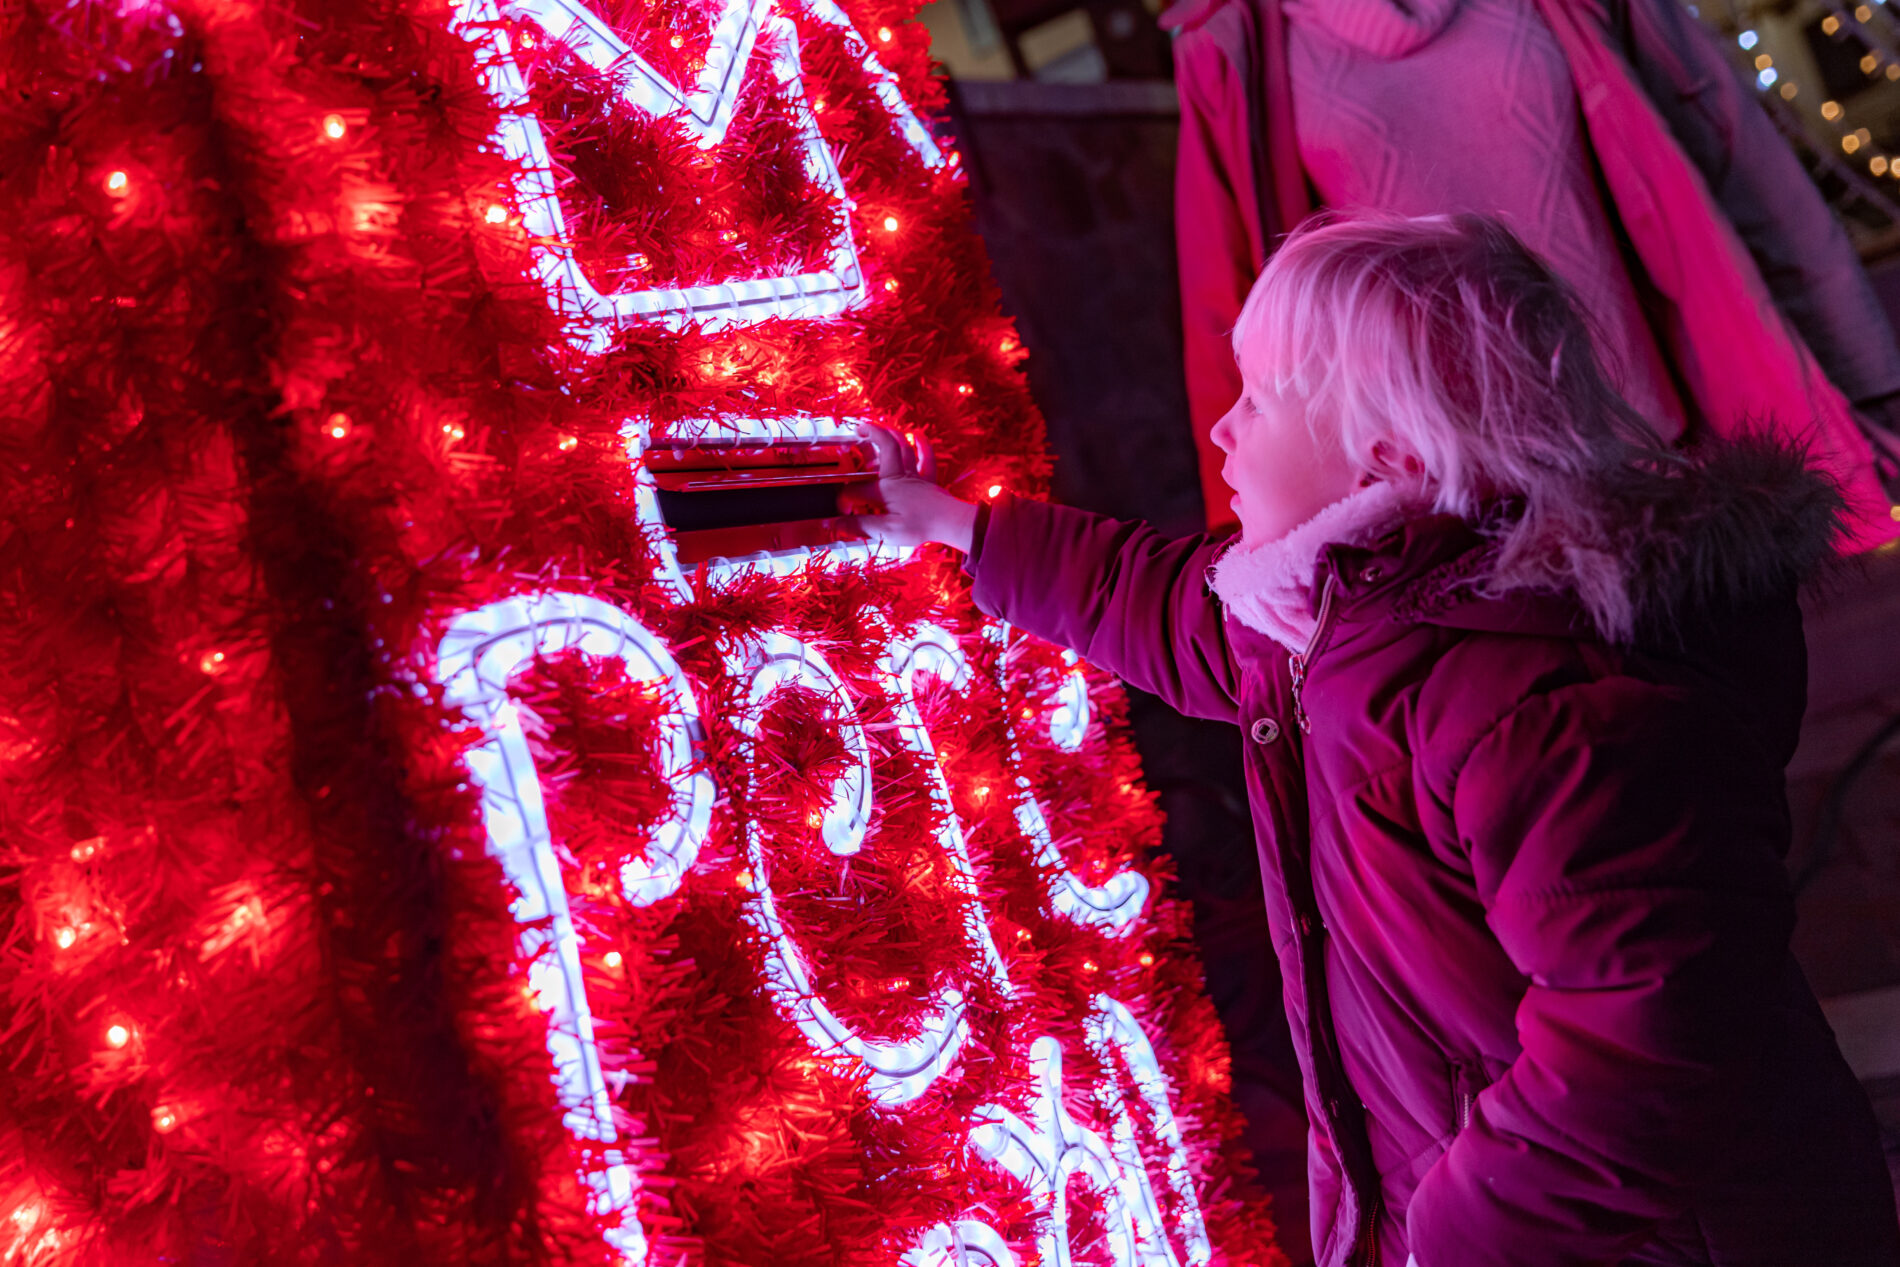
(915, 509)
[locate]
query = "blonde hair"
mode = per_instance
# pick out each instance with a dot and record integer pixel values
(1447, 343)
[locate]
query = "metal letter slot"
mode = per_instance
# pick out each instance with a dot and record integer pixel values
(728, 498)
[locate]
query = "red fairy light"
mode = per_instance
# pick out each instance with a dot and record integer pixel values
(884, 929)
(994, 491)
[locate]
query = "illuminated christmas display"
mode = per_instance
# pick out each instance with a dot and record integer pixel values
(467, 798)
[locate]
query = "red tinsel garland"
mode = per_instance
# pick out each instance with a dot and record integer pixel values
(279, 395)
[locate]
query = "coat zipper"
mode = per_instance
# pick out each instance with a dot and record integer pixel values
(1464, 1110)
(1366, 1253)
(1297, 662)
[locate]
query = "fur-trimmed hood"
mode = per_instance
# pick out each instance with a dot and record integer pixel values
(1744, 521)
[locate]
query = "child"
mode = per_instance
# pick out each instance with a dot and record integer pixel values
(1519, 683)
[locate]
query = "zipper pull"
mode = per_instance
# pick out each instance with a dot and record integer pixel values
(1296, 665)
(1297, 661)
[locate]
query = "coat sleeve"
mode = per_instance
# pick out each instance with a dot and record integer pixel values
(1804, 254)
(1623, 845)
(1119, 594)
(1217, 235)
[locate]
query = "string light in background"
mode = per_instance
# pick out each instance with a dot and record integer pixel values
(1869, 160)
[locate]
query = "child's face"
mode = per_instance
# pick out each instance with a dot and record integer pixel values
(1280, 473)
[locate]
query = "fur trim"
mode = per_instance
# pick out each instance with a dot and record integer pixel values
(1269, 586)
(1749, 519)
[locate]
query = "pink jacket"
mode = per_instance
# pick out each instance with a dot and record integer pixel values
(1751, 268)
(1526, 888)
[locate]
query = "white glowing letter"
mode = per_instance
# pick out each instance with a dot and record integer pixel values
(1116, 904)
(1112, 1032)
(704, 111)
(1044, 1155)
(965, 1243)
(899, 1071)
(933, 650)
(479, 653)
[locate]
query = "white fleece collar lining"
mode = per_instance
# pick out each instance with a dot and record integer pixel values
(1269, 587)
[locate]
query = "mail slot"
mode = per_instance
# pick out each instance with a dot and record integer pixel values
(730, 498)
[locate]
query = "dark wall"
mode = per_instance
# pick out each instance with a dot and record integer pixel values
(1074, 192)
(1074, 195)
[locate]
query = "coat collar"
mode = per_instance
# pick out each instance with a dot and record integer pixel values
(1424, 572)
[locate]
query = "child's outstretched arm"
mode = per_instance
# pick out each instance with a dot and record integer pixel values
(1119, 594)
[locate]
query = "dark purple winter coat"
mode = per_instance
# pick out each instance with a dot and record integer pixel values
(1526, 887)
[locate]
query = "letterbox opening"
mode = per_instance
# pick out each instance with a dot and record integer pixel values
(727, 498)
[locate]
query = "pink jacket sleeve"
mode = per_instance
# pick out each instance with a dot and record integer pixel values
(1217, 227)
(1119, 594)
(1646, 905)
(1803, 252)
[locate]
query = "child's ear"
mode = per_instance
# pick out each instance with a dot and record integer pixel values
(1390, 462)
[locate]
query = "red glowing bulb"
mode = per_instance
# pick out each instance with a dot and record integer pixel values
(884, 35)
(611, 959)
(118, 1035)
(338, 426)
(496, 213)
(163, 1120)
(567, 444)
(334, 127)
(995, 489)
(890, 224)
(118, 183)
(211, 663)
